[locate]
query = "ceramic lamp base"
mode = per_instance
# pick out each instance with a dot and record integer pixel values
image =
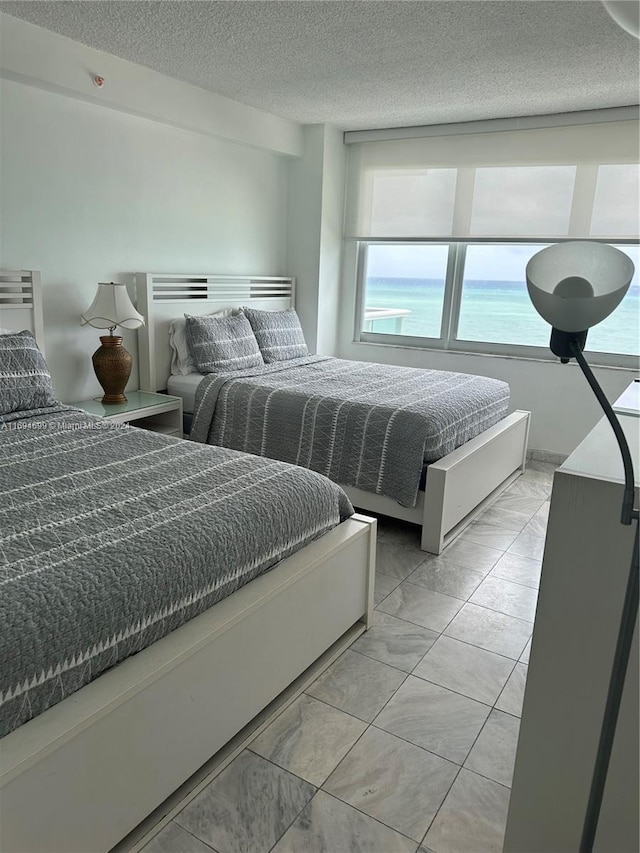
(112, 364)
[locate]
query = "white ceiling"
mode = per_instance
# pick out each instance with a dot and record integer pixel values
(364, 64)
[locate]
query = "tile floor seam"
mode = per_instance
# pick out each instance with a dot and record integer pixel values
(483, 648)
(482, 776)
(470, 750)
(282, 835)
(273, 763)
(448, 594)
(406, 671)
(335, 707)
(473, 773)
(392, 577)
(352, 747)
(376, 819)
(368, 722)
(473, 646)
(417, 745)
(402, 619)
(426, 627)
(192, 835)
(513, 669)
(442, 633)
(400, 737)
(488, 778)
(501, 612)
(279, 766)
(519, 583)
(409, 743)
(508, 713)
(403, 671)
(443, 556)
(504, 612)
(424, 837)
(464, 695)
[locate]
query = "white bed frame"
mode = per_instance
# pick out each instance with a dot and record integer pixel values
(82, 775)
(21, 302)
(459, 486)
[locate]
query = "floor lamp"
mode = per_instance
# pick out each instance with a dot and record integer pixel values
(575, 286)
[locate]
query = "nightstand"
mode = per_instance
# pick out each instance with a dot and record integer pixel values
(155, 412)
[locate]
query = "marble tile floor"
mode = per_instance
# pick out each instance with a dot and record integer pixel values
(406, 744)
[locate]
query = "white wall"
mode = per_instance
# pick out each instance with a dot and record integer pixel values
(303, 229)
(314, 235)
(33, 55)
(331, 242)
(92, 194)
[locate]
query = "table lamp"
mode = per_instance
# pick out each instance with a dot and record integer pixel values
(111, 361)
(575, 286)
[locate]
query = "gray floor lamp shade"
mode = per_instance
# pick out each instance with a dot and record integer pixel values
(575, 286)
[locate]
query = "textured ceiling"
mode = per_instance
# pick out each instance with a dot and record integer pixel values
(363, 64)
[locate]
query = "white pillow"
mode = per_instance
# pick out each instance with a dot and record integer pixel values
(181, 362)
(6, 331)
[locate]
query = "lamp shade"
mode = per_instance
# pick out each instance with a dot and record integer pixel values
(575, 285)
(112, 307)
(626, 14)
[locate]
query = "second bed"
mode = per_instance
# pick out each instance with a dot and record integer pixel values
(372, 428)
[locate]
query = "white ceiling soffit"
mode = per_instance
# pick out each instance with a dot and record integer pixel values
(368, 64)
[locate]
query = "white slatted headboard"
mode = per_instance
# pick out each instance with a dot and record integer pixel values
(21, 303)
(163, 297)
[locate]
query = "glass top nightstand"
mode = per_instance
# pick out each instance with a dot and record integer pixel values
(155, 412)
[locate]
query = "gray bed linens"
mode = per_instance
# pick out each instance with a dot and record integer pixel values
(25, 381)
(360, 424)
(111, 537)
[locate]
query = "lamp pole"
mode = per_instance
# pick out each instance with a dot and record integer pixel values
(627, 621)
(574, 286)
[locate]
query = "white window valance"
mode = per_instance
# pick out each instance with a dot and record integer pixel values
(577, 182)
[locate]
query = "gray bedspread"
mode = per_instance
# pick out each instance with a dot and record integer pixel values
(360, 424)
(112, 537)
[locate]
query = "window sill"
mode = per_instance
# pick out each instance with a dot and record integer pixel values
(591, 357)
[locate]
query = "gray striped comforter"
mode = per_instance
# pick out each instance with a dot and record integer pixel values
(360, 424)
(112, 537)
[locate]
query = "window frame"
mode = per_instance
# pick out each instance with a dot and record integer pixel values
(454, 278)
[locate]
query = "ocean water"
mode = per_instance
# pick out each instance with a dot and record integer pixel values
(493, 311)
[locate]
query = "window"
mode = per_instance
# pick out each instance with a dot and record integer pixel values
(443, 220)
(620, 332)
(522, 201)
(473, 297)
(494, 305)
(615, 205)
(404, 289)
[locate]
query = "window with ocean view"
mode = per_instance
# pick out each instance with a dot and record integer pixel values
(441, 221)
(473, 297)
(404, 289)
(620, 332)
(495, 306)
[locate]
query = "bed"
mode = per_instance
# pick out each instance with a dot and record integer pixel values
(458, 484)
(207, 606)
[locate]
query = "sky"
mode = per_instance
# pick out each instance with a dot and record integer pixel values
(484, 262)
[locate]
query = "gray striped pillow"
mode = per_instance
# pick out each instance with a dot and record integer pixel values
(219, 344)
(25, 382)
(279, 334)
